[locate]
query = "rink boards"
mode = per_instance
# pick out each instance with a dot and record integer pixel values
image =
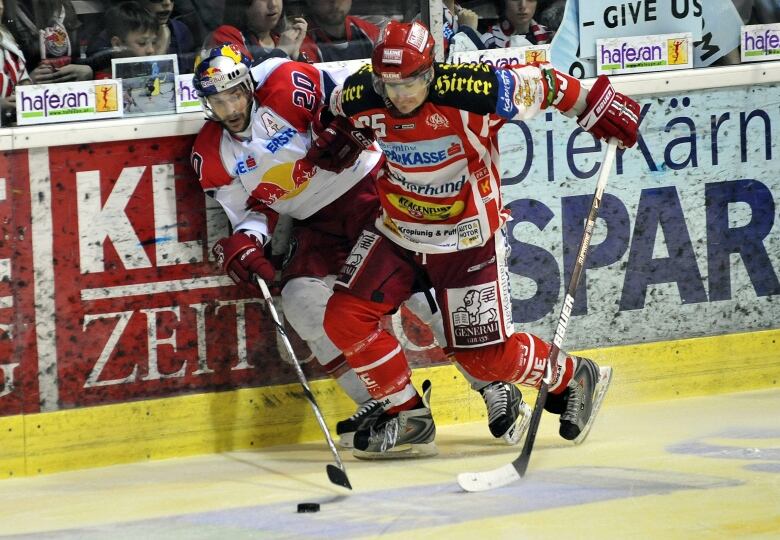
(122, 342)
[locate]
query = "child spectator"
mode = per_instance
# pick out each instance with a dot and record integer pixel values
(173, 37)
(516, 26)
(131, 30)
(265, 32)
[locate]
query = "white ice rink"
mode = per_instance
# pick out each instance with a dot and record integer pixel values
(689, 468)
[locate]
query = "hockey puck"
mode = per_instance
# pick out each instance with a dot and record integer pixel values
(308, 508)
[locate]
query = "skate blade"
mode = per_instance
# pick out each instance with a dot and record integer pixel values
(605, 378)
(404, 451)
(347, 440)
(515, 433)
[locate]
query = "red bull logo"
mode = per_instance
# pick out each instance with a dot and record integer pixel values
(231, 51)
(284, 181)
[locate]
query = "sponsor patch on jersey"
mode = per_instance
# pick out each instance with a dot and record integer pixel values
(506, 90)
(437, 121)
(404, 126)
(525, 95)
(418, 36)
(439, 189)
(357, 258)
(423, 153)
(485, 188)
(425, 210)
(469, 234)
(243, 166)
(281, 140)
(474, 315)
(392, 56)
(336, 99)
(459, 84)
(271, 123)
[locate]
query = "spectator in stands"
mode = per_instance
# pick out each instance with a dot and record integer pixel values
(334, 34)
(173, 37)
(550, 14)
(459, 29)
(13, 72)
(264, 30)
(766, 12)
(201, 16)
(47, 33)
(131, 30)
(516, 26)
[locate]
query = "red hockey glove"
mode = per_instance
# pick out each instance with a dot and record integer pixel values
(241, 256)
(339, 143)
(610, 114)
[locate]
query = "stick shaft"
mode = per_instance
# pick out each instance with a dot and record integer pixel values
(521, 463)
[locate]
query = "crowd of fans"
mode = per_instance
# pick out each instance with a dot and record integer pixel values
(46, 41)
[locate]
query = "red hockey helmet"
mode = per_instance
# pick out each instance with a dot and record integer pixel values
(404, 51)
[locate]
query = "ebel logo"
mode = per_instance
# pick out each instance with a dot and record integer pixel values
(246, 165)
(280, 140)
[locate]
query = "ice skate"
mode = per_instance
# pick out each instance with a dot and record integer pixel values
(364, 417)
(583, 398)
(508, 414)
(407, 434)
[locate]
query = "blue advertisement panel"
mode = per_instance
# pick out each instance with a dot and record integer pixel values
(686, 243)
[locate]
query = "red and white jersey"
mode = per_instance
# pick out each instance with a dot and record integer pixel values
(441, 188)
(266, 168)
(13, 66)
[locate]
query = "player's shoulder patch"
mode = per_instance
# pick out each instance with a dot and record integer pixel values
(294, 91)
(206, 159)
(358, 94)
(471, 87)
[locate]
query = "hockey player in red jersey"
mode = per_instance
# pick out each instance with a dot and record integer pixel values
(443, 218)
(269, 150)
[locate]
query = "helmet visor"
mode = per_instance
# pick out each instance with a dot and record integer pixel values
(404, 88)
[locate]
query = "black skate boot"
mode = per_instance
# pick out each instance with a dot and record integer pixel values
(407, 434)
(365, 416)
(584, 396)
(508, 414)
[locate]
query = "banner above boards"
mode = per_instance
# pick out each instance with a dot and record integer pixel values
(608, 19)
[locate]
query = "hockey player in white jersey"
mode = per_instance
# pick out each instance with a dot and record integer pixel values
(270, 149)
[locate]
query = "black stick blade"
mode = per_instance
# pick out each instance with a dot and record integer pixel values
(338, 476)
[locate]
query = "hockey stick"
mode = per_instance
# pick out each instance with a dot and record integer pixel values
(336, 473)
(483, 481)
